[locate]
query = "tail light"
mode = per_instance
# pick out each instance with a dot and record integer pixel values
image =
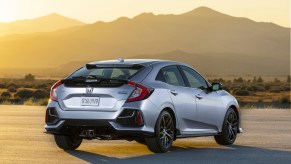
(140, 92)
(53, 93)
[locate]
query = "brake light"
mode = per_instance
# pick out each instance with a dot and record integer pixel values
(53, 93)
(140, 92)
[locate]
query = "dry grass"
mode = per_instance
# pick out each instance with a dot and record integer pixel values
(38, 102)
(264, 97)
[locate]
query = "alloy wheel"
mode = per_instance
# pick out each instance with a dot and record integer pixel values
(166, 131)
(232, 123)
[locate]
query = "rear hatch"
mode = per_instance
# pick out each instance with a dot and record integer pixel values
(102, 88)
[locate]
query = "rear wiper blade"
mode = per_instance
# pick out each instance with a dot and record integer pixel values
(78, 77)
(94, 78)
(105, 79)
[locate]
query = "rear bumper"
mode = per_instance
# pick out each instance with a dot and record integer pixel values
(103, 123)
(101, 127)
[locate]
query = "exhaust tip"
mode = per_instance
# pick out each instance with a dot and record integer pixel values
(87, 134)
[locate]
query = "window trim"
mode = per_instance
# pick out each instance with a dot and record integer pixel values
(184, 76)
(164, 80)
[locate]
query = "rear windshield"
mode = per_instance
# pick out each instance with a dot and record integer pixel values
(108, 73)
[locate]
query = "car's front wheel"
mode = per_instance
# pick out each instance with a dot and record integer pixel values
(67, 142)
(164, 134)
(229, 129)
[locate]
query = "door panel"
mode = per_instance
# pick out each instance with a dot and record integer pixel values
(185, 106)
(208, 104)
(182, 98)
(209, 109)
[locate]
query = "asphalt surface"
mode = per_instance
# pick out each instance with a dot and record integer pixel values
(266, 139)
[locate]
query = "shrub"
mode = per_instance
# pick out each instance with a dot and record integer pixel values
(226, 89)
(242, 93)
(267, 87)
(12, 85)
(2, 86)
(12, 89)
(40, 94)
(287, 88)
(257, 88)
(24, 94)
(276, 89)
(250, 88)
(5, 94)
(285, 100)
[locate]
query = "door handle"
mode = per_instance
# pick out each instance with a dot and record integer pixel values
(199, 96)
(174, 92)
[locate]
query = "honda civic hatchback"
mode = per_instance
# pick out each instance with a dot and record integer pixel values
(153, 102)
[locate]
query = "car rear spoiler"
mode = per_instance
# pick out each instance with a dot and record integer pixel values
(93, 66)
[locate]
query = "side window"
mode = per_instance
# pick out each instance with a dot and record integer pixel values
(171, 75)
(195, 80)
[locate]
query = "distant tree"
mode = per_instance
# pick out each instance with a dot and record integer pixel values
(255, 79)
(29, 77)
(276, 80)
(260, 80)
(238, 80)
(288, 79)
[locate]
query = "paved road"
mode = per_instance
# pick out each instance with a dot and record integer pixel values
(267, 139)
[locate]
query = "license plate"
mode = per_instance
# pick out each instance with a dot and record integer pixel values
(90, 101)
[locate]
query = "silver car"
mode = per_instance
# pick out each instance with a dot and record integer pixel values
(153, 102)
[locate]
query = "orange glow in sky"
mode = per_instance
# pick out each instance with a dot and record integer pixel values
(89, 11)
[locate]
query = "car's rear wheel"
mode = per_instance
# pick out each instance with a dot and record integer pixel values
(229, 129)
(164, 134)
(141, 141)
(67, 142)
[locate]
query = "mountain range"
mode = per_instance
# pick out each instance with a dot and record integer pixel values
(213, 42)
(46, 23)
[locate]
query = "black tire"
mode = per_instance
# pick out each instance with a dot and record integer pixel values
(229, 128)
(140, 141)
(67, 142)
(164, 134)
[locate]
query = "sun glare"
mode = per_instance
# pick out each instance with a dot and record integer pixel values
(8, 11)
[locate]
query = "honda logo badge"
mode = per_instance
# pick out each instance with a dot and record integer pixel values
(89, 90)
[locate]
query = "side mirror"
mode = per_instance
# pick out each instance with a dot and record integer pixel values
(216, 86)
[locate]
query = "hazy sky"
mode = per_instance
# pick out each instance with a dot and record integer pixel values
(89, 11)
